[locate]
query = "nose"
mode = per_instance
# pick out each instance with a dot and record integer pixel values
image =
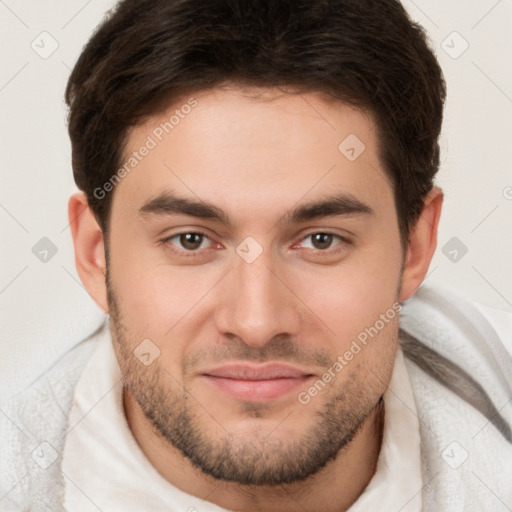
(256, 304)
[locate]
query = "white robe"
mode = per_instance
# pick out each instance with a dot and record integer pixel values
(465, 457)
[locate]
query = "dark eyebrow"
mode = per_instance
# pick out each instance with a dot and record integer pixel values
(341, 204)
(168, 204)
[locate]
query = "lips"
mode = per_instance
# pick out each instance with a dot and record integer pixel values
(256, 382)
(253, 372)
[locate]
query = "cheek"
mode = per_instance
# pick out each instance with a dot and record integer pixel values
(165, 303)
(351, 296)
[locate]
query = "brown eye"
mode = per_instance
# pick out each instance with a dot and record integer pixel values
(321, 241)
(191, 241)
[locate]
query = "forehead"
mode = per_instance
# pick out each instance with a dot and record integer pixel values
(232, 146)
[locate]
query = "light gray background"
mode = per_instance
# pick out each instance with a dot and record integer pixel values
(36, 178)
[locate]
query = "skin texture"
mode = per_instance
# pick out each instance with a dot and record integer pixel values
(257, 155)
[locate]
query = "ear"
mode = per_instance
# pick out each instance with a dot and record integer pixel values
(89, 249)
(422, 244)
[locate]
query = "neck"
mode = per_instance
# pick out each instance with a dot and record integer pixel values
(333, 489)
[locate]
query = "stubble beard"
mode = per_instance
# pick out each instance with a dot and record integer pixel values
(231, 457)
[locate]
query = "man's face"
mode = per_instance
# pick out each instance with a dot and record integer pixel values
(252, 250)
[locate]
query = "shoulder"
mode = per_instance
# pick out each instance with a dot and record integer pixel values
(33, 424)
(474, 336)
(460, 368)
(460, 345)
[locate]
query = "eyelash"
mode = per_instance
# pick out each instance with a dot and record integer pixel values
(342, 241)
(195, 253)
(184, 252)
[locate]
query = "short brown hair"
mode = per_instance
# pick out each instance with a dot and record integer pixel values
(367, 53)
